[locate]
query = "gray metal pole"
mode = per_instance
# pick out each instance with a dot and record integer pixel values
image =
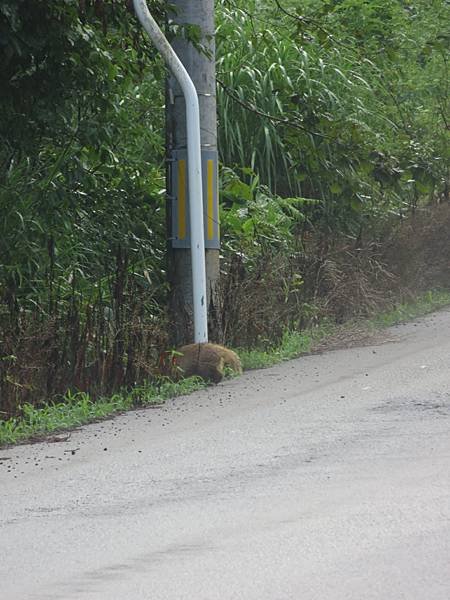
(201, 68)
(194, 170)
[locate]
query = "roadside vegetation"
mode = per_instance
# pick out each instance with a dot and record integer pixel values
(75, 409)
(333, 134)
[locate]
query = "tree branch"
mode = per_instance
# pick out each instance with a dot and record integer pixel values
(254, 109)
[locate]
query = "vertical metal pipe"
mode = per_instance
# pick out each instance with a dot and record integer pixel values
(200, 64)
(194, 168)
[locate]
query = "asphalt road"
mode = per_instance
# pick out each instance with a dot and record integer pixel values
(325, 478)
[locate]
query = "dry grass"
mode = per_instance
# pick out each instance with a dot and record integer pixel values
(339, 280)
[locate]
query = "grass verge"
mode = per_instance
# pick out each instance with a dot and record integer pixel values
(75, 409)
(294, 343)
(422, 305)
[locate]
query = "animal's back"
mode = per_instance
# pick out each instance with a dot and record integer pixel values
(230, 358)
(207, 360)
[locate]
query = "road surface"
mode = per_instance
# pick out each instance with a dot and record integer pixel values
(327, 477)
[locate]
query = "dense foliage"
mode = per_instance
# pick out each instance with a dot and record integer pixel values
(355, 98)
(82, 148)
(333, 118)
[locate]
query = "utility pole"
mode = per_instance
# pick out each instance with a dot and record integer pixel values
(200, 64)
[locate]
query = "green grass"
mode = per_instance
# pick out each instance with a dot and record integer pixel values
(422, 305)
(75, 409)
(294, 343)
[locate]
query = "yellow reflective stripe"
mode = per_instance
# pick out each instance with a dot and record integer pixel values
(210, 187)
(181, 199)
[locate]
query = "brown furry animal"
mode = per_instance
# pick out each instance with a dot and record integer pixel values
(205, 360)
